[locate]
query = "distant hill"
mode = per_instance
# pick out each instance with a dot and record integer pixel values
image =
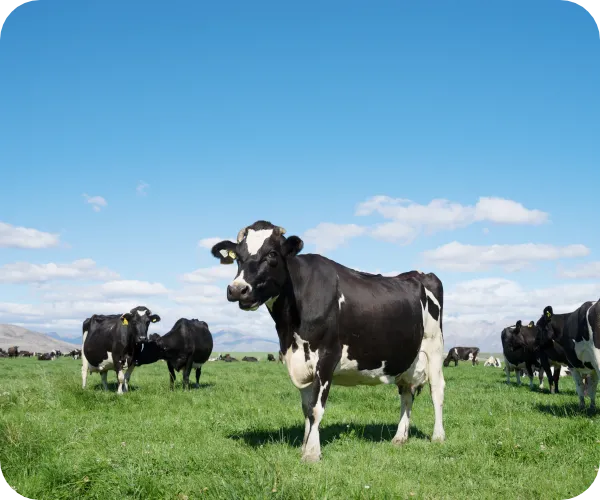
(56, 336)
(27, 340)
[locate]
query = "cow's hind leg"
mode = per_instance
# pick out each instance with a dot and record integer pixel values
(317, 397)
(592, 387)
(406, 401)
(84, 371)
(103, 376)
(579, 388)
(198, 373)
(437, 385)
(186, 375)
(171, 375)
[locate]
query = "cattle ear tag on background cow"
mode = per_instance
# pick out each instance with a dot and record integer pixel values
(232, 254)
(125, 322)
(153, 320)
(548, 313)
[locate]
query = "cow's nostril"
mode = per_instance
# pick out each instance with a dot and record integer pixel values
(244, 291)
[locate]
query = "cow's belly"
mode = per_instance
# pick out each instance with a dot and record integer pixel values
(105, 365)
(347, 373)
(586, 352)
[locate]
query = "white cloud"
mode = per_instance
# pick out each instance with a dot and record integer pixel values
(132, 288)
(25, 272)
(585, 271)
(409, 218)
(97, 202)
(210, 242)
(141, 188)
(24, 237)
(493, 299)
(459, 257)
(210, 274)
(327, 236)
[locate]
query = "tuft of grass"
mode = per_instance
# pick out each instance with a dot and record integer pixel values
(239, 436)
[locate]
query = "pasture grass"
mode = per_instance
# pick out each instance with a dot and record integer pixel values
(239, 436)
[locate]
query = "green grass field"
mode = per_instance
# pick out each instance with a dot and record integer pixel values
(239, 436)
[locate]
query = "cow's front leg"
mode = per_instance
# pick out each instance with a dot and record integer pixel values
(579, 388)
(507, 371)
(406, 401)
(529, 370)
(103, 377)
(317, 397)
(120, 376)
(555, 380)
(518, 376)
(128, 373)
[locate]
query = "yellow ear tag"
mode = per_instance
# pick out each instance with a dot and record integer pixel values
(153, 320)
(548, 313)
(125, 322)
(232, 254)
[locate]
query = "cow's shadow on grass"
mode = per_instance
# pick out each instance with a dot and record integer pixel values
(328, 433)
(113, 387)
(568, 410)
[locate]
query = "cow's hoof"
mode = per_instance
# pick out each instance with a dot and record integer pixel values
(438, 438)
(311, 459)
(399, 440)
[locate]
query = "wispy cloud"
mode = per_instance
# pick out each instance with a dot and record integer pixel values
(97, 202)
(25, 237)
(141, 188)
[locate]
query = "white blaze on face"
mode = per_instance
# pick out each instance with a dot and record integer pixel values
(241, 282)
(256, 239)
(142, 312)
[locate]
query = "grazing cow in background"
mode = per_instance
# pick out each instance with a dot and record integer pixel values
(270, 357)
(462, 353)
(578, 333)
(492, 361)
(518, 346)
(13, 351)
(250, 358)
(187, 345)
(109, 343)
(227, 358)
(49, 356)
(75, 353)
(25, 354)
(338, 324)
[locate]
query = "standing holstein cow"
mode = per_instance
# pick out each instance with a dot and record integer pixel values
(520, 352)
(187, 345)
(462, 353)
(578, 333)
(338, 324)
(109, 343)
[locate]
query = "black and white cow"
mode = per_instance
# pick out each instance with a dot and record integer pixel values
(109, 343)
(520, 352)
(578, 333)
(457, 354)
(493, 362)
(270, 357)
(187, 345)
(338, 324)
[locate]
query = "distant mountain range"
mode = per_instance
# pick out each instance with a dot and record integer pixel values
(26, 340)
(56, 336)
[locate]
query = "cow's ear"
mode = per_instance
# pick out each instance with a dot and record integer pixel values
(126, 318)
(548, 312)
(155, 318)
(292, 246)
(518, 326)
(224, 251)
(531, 324)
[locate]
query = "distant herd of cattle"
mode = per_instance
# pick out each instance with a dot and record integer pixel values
(337, 324)
(14, 352)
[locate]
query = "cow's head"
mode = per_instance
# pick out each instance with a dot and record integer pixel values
(137, 321)
(261, 251)
(545, 332)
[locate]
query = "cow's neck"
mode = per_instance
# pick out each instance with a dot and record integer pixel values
(285, 315)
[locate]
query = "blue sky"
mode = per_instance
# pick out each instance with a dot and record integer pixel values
(298, 114)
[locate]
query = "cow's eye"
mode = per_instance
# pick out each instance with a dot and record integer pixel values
(272, 255)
